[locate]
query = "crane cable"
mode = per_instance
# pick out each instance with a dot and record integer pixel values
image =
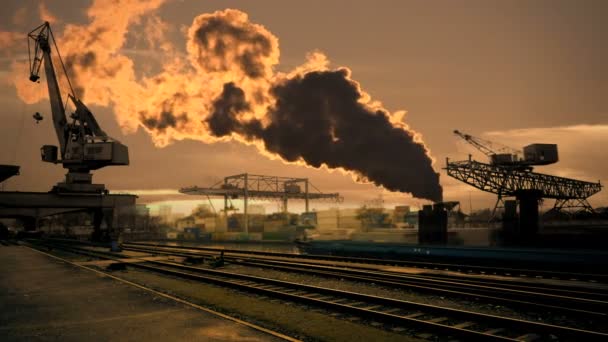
(22, 124)
(65, 72)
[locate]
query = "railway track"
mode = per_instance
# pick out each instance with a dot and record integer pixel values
(270, 332)
(436, 320)
(455, 267)
(565, 299)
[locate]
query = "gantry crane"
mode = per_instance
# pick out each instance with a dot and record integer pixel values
(510, 176)
(248, 186)
(83, 145)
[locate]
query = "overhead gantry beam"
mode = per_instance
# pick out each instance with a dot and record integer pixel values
(195, 190)
(248, 186)
(509, 181)
(512, 182)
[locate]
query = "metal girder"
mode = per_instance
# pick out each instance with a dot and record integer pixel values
(505, 181)
(195, 190)
(575, 205)
(17, 199)
(35, 205)
(262, 187)
(248, 186)
(34, 212)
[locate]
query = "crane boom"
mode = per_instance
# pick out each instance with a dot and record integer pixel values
(84, 146)
(42, 52)
(505, 156)
(476, 142)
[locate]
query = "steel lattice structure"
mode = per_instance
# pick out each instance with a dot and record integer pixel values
(508, 182)
(263, 187)
(248, 186)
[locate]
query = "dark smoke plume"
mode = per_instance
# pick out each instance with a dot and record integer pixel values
(226, 86)
(224, 121)
(215, 39)
(317, 118)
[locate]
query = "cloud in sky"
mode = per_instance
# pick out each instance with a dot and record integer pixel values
(476, 73)
(227, 89)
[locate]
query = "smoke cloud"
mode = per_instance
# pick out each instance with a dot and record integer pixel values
(226, 88)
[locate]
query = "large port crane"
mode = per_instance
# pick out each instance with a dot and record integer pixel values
(83, 145)
(508, 175)
(535, 154)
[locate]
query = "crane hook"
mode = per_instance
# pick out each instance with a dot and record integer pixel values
(38, 117)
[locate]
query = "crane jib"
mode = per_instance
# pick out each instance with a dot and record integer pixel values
(83, 145)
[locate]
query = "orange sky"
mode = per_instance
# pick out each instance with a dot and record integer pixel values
(485, 67)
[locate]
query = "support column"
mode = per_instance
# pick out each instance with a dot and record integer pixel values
(226, 205)
(226, 201)
(245, 202)
(510, 223)
(111, 233)
(432, 224)
(528, 216)
(97, 235)
(30, 224)
(109, 215)
(306, 194)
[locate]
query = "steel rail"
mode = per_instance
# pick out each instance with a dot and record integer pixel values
(510, 282)
(407, 263)
(536, 297)
(451, 322)
(173, 298)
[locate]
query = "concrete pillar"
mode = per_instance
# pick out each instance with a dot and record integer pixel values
(510, 223)
(424, 218)
(528, 216)
(433, 224)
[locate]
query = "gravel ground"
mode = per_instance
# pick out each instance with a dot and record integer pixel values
(299, 321)
(175, 286)
(413, 296)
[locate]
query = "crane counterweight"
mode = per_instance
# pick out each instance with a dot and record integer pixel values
(535, 154)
